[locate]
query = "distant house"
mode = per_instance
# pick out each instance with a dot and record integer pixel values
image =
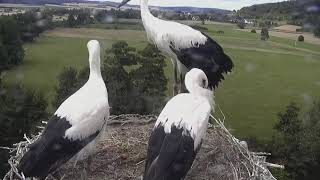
(195, 18)
(246, 21)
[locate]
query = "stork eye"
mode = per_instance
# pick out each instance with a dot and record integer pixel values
(204, 83)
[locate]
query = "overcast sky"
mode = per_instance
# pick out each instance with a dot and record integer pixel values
(222, 4)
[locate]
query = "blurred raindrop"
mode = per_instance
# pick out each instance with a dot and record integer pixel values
(308, 26)
(310, 58)
(95, 12)
(41, 23)
(108, 19)
(38, 15)
(20, 76)
(250, 67)
(307, 98)
(313, 8)
(3, 91)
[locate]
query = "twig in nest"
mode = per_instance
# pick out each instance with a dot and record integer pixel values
(107, 163)
(138, 122)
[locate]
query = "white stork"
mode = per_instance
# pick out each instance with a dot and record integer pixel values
(75, 125)
(187, 48)
(177, 135)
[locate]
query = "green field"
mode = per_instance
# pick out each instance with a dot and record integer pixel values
(267, 76)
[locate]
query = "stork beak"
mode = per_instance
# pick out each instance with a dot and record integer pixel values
(123, 3)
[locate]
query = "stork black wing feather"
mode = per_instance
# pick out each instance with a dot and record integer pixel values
(170, 156)
(51, 150)
(209, 57)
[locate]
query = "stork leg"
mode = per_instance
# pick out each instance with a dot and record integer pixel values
(175, 77)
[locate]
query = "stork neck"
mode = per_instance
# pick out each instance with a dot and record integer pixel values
(195, 89)
(95, 71)
(145, 12)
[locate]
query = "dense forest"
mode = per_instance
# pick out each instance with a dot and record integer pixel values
(271, 11)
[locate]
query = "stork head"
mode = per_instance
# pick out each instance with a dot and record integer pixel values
(124, 2)
(94, 55)
(196, 82)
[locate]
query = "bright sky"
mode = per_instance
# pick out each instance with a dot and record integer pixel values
(222, 4)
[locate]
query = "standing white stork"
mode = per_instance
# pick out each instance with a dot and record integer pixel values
(76, 124)
(187, 48)
(177, 135)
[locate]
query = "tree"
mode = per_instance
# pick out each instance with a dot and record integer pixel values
(20, 111)
(203, 18)
(241, 24)
(265, 34)
(67, 85)
(120, 88)
(84, 17)
(301, 38)
(150, 81)
(33, 22)
(298, 143)
(71, 20)
(4, 60)
(317, 31)
(11, 43)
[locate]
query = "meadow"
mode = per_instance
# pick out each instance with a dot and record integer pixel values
(268, 75)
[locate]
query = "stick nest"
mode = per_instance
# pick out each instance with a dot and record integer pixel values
(121, 155)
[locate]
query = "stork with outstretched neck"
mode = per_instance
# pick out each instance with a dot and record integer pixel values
(74, 128)
(187, 48)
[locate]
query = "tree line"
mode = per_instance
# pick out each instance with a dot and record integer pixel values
(18, 29)
(296, 12)
(295, 143)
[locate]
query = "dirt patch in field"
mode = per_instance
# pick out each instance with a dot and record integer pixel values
(288, 28)
(308, 37)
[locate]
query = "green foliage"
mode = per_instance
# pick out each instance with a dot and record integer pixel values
(253, 31)
(149, 80)
(203, 18)
(273, 11)
(297, 12)
(4, 60)
(125, 55)
(71, 20)
(265, 34)
(84, 18)
(20, 111)
(241, 24)
(11, 50)
(289, 124)
(298, 143)
(117, 79)
(317, 31)
(109, 16)
(280, 174)
(33, 22)
(67, 85)
(301, 38)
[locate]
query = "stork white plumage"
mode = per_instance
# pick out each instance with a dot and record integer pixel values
(78, 121)
(179, 130)
(187, 48)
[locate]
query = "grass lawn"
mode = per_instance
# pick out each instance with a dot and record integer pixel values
(267, 76)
